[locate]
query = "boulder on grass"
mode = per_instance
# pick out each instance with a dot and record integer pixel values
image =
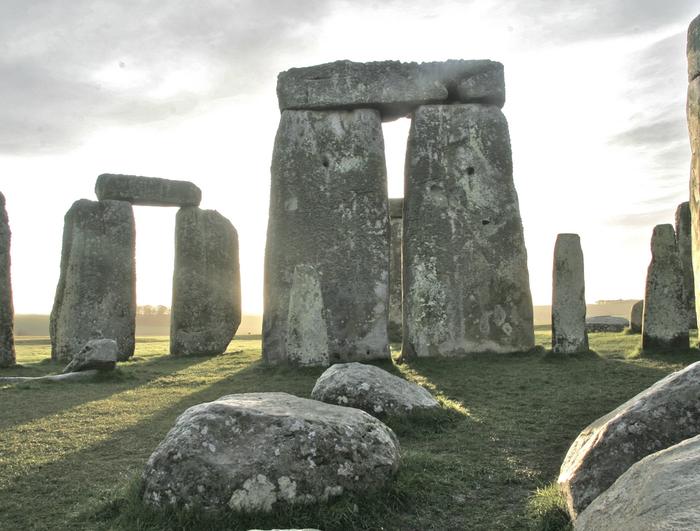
(254, 451)
(662, 491)
(371, 389)
(100, 354)
(665, 414)
(606, 323)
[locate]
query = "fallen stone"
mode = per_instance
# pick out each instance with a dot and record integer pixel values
(99, 354)
(7, 312)
(307, 336)
(96, 293)
(466, 284)
(662, 415)
(70, 377)
(328, 211)
(636, 317)
(206, 307)
(662, 491)
(371, 389)
(149, 191)
(255, 451)
(568, 297)
(685, 251)
(693, 49)
(606, 323)
(393, 88)
(665, 321)
(395, 295)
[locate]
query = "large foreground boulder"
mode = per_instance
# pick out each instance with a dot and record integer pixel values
(99, 354)
(251, 452)
(371, 389)
(663, 415)
(662, 491)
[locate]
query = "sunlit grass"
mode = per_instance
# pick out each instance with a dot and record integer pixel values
(71, 454)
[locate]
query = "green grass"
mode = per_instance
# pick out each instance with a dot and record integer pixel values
(71, 454)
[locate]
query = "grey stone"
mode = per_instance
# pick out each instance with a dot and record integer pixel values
(568, 297)
(636, 315)
(96, 292)
(98, 354)
(662, 415)
(395, 296)
(466, 285)
(665, 321)
(70, 377)
(693, 49)
(685, 251)
(7, 312)
(255, 451)
(395, 89)
(693, 114)
(206, 307)
(307, 336)
(606, 323)
(662, 491)
(371, 389)
(149, 191)
(329, 211)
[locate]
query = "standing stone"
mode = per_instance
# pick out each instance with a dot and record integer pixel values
(466, 285)
(568, 297)
(665, 323)
(636, 315)
(329, 210)
(395, 296)
(7, 312)
(206, 307)
(693, 113)
(685, 250)
(148, 191)
(96, 293)
(307, 336)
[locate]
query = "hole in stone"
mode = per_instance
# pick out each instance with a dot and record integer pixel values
(470, 170)
(325, 161)
(435, 188)
(485, 222)
(395, 139)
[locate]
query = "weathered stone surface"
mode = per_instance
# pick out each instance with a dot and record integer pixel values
(96, 293)
(371, 389)
(98, 354)
(251, 452)
(693, 49)
(391, 87)
(665, 321)
(7, 312)
(466, 285)
(662, 491)
(151, 191)
(636, 315)
(395, 296)
(606, 323)
(693, 114)
(307, 337)
(658, 417)
(206, 307)
(329, 211)
(69, 377)
(685, 251)
(568, 297)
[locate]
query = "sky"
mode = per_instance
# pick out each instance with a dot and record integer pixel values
(186, 90)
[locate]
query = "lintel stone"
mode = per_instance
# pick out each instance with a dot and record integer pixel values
(147, 191)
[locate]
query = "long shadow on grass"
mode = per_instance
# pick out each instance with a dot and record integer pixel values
(528, 410)
(52, 398)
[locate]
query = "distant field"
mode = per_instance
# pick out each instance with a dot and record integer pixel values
(72, 453)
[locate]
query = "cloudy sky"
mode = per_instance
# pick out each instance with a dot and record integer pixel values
(186, 90)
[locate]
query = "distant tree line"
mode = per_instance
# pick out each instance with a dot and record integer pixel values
(152, 310)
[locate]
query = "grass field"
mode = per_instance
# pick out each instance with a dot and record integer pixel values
(71, 454)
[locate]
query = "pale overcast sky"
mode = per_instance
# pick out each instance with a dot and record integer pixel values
(186, 90)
